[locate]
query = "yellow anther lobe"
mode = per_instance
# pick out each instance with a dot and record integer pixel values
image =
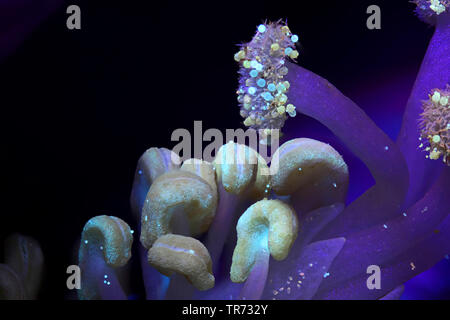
(203, 169)
(184, 255)
(266, 225)
(156, 161)
(175, 195)
(257, 191)
(113, 234)
(316, 159)
(236, 167)
(153, 163)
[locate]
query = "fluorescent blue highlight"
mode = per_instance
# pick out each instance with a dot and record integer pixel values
(261, 83)
(267, 96)
(252, 90)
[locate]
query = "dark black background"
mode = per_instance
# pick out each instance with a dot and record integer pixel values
(80, 107)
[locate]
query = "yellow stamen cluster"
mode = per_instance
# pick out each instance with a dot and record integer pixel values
(437, 6)
(429, 10)
(435, 125)
(262, 92)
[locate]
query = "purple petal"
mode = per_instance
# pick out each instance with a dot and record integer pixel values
(155, 283)
(317, 98)
(230, 208)
(313, 222)
(379, 244)
(407, 265)
(434, 73)
(98, 280)
(224, 289)
(256, 281)
(394, 294)
(309, 266)
(180, 288)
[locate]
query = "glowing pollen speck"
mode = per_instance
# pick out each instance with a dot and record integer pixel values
(261, 28)
(428, 10)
